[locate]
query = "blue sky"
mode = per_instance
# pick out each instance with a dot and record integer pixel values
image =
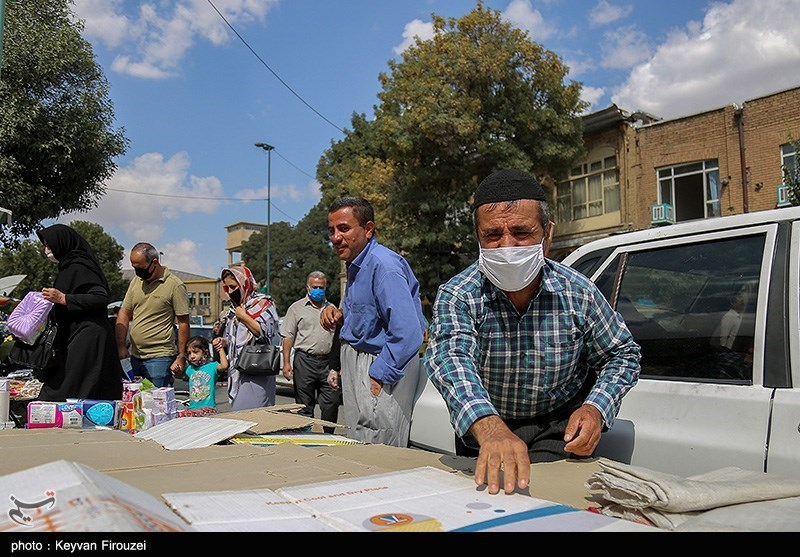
(194, 99)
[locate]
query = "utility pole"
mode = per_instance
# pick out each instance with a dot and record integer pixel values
(268, 148)
(2, 31)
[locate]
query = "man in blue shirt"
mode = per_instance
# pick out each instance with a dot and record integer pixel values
(382, 328)
(529, 356)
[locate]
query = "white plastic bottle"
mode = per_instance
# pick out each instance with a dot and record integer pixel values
(5, 401)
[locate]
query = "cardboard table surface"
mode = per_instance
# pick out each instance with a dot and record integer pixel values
(147, 465)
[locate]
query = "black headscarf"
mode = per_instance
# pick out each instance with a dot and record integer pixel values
(78, 266)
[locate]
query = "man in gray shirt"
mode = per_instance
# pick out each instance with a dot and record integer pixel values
(302, 331)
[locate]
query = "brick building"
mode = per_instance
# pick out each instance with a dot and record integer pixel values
(641, 171)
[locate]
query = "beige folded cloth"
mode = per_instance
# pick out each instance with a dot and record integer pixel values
(640, 488)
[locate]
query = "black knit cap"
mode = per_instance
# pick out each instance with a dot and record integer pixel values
(508, 185)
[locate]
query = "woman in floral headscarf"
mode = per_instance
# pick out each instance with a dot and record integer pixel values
(251, 314)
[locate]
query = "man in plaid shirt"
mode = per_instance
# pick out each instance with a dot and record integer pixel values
(529, 356)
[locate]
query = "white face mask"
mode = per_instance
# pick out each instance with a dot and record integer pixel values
(50, 255)
(511, 269)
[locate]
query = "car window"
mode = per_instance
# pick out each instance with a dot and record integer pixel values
(691, 307)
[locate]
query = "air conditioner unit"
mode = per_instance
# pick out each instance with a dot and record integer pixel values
(662, 213)
(783, 196)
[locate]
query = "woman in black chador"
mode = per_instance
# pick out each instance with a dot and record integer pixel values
(88, 362)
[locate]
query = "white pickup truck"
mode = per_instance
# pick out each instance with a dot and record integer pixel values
(715, 306)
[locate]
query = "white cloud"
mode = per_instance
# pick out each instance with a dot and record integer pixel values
(624, 48)
(592, 95)
(281, 196)
(741, 50)
(520, 14)
(605, 12)
(103, 20)
(412, 30)
(154, 41)
(578, 67)
(124, 65)
(150, 191)
(182, 256)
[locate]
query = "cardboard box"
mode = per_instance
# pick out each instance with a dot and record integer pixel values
(161, 417)
(164, 400)
(148, 466)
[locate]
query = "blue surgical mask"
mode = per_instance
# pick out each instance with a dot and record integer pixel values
(316, 294)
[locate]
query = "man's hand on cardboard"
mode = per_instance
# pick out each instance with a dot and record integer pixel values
(501, 453)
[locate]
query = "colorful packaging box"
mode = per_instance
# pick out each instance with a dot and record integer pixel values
(130, 389)
(161, 417)
(164, 400)
(69, 415)
(42, 414)
(100, 414)
(132, 418)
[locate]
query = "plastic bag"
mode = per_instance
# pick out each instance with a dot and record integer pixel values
(29, 318)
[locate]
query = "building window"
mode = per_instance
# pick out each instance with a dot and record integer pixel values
(204, 299)
(591, 189)
(788, 159)
(692, 189)
(191, 298)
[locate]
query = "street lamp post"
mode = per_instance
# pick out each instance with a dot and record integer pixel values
(2, 30)
(268, 148)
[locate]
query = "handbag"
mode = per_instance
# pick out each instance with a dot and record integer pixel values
(39, 356)
(259, 357)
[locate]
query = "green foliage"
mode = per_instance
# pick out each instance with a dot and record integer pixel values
(28, 259)
(791, 175)
(109, 252)
(57, 144)
(294, 253)
(477, 97)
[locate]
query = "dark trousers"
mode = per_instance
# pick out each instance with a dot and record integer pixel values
(311, 387)
(543, 434)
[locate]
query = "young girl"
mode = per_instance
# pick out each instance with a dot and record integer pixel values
(201, 373)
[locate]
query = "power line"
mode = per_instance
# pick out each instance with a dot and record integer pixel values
(301, 171)
(271, 70)
(196, 198)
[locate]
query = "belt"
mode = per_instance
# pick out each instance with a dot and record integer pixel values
(310, 355)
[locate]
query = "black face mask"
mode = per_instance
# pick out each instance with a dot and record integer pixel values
(235, 296)
(143, 274)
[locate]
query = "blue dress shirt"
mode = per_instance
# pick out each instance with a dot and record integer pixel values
(382, 310)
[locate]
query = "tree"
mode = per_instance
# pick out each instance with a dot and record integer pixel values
(791, 175)
(477, 97)
(57, 144)
(109, 252)
(294, 253)
(28, 259)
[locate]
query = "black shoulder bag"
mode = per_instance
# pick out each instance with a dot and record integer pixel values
(40, 356)
(259, 357)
